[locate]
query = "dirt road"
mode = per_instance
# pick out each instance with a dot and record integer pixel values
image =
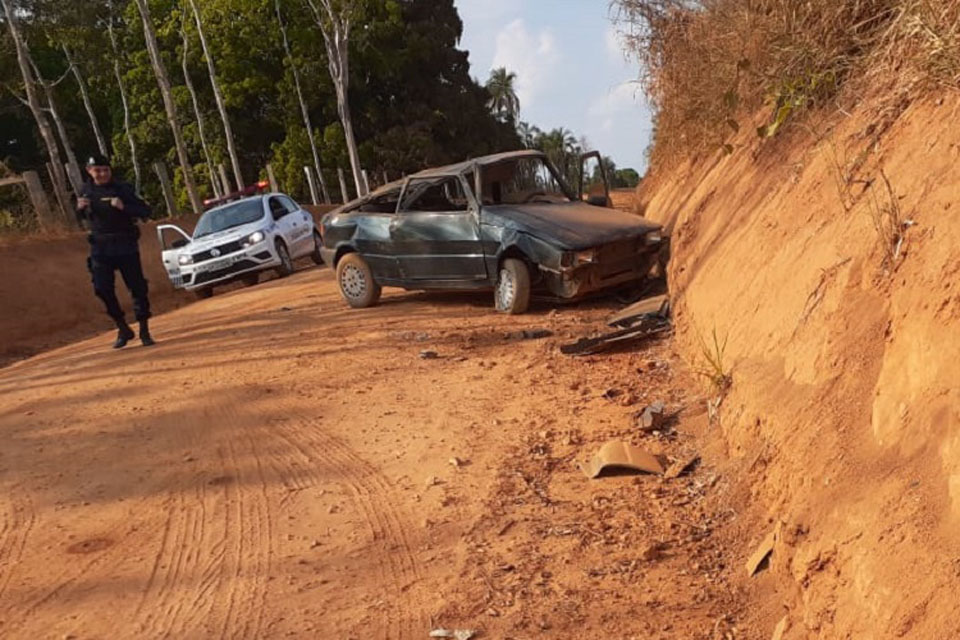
(281, 466)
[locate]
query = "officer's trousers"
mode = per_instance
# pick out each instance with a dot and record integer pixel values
(102, 268)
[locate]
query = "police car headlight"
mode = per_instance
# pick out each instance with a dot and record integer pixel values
(254, 238)
(185, 258)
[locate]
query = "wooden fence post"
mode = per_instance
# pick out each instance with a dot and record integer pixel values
(224, 180)
(61, 198)
(312, 184)
(39, 198)
(167, 189)
(366, 181)
(272, 178)
(344, 197)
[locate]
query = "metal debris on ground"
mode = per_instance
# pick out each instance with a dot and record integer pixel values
(652, 417)
(429, 355)
(760, 558)
(681, 466)
(628, 316)
(646, 327)
(620, 455)
(456, 634)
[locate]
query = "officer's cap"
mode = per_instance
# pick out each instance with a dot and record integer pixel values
(98, 160)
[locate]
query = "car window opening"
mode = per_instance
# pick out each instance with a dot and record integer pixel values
(228, 216)
(384, 203)
(435, 195)
(522, 181)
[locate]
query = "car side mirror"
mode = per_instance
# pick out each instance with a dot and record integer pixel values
(182, 242)
(598, 201)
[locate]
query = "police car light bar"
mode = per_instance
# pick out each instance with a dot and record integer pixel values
(242, 193)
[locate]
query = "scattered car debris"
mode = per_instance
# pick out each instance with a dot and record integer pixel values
(652, 417)
(681, 466)
(611, 394)
(456, 634)
(780, 629)
(429, 355)
(529, 334)
(760, 558)
(620, 455)
(628, 316)
(648, 326)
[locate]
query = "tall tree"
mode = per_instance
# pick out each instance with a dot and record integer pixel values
(304, 111)
(218, 97)
(335, 19)
(33, 102)
(201, 129)
(127, 129)
(87, 104)
(163, 81)
(73, 167)
(503, 94)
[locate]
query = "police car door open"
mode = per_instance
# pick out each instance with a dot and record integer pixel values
(173, 240)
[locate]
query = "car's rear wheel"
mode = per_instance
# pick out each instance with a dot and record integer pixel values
(285, 267)
(251, 279)
(204, 293)
(356, 282)
(317, 243)
(512, 294)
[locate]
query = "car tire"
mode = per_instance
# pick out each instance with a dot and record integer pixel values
(512, 294)
(356, 282)
(317, 243)
(203, 294)
(251, 279)
(285, 267)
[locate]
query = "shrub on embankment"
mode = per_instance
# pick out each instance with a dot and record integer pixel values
(706, 63)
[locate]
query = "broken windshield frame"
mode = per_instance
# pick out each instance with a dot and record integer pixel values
(524, 180)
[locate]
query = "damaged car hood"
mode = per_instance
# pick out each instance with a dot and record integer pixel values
(574, 225)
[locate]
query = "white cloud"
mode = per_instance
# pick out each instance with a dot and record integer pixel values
(623, 100)
(614, 44)
(619, 123)
(534, 57)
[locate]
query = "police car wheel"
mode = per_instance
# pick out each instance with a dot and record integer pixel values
(285, 267)
(317, 243)
(356, 282)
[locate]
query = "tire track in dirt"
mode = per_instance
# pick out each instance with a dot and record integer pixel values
(388, 526)
(18, 520)
(209, 575)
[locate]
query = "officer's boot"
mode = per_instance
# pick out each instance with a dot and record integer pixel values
(124, 334)
(145, 336)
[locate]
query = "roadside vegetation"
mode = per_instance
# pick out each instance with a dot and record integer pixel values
(709, 65)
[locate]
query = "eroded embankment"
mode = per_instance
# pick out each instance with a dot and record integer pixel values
(845, 405)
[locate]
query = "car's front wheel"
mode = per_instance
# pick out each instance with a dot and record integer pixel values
(357, 285)
(317, 243)
(512, 294)
(285, 267)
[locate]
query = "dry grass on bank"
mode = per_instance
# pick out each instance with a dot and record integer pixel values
(708, 62)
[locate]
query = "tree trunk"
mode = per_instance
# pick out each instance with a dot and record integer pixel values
(196, 110)
(163, 81)
(303, 104)
(56, 173)
(227, 130)
(85, 94)
(123, 99)
(336, 37)
(73, 167)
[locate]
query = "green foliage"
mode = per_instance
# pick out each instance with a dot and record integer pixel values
(714, 367)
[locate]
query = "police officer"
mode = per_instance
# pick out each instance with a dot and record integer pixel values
(109, 209)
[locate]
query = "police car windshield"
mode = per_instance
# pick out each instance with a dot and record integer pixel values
(228, 216)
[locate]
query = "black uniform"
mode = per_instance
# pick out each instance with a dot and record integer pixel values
(113, 245)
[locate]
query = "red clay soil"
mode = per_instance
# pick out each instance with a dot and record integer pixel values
(282, 466)
(844, 412)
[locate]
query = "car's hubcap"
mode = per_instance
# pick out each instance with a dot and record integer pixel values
(505, 290)
(352, 281)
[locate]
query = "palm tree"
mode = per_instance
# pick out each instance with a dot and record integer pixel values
(503, 95)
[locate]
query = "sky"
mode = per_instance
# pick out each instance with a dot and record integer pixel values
(571, 71)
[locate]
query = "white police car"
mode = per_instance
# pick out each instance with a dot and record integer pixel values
(237, 240)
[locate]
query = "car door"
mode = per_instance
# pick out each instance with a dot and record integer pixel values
(172, 239)
(301, 223)
(436, 231)
(283, 221)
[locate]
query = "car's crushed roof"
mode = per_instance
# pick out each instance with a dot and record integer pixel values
(455, 169)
